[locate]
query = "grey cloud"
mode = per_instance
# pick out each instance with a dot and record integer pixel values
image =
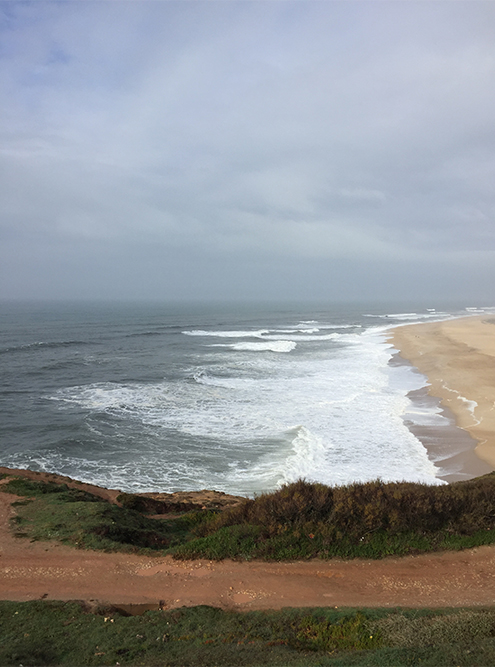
(211, 136)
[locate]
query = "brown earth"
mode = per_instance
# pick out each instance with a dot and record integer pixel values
(47, 570)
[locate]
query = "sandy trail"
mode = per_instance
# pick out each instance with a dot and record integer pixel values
(34, 570)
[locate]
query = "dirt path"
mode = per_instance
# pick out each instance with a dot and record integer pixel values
(33, 570)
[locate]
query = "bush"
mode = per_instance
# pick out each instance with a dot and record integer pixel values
(372, 520)
(359, 509)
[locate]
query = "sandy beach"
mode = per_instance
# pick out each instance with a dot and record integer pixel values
(458, 358)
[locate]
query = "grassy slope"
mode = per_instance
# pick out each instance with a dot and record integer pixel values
(54, 511)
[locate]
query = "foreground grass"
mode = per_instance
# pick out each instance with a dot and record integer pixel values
(299, 521)
(57, 633)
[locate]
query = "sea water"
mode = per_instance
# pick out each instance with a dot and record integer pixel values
(238, 398)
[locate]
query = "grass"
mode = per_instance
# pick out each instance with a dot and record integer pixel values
(65, 633)
(55, 512)
(299, 521)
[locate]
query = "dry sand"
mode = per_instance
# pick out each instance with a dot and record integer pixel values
(458, 358)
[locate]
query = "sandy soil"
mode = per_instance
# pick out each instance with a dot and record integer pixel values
(46, 570)
(458, 358)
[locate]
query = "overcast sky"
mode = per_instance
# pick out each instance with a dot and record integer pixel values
(238, 149)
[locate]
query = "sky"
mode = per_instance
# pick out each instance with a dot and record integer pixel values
(250, 150)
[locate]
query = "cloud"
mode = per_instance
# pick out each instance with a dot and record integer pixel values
(266, 132)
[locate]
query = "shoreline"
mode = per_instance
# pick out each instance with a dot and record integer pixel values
(457, 357)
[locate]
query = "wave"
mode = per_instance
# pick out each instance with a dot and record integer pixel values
(275, 346)
(311, 330)
(146, 333)
(228, 334)
(41, 345)
(309, 454)
(293, 331)
(100, 395)
(304, 337)
(481, 309)
(226, 383)
(411, 316)
(340, 326)
(299, 334)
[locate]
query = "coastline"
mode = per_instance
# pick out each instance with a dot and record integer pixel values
(458, 359)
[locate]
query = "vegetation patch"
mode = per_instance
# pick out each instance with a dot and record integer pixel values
(72, 516)
(372, 520)
(67, 633)
(20, 486)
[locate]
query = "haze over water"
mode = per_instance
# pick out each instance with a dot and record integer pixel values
(239, 398)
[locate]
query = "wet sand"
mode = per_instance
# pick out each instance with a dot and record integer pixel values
(458, 359)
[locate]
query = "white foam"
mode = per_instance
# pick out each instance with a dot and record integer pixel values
(470, 404)
(294, 335)
(347, 404)
(228, 334)
(276, 346)
(298, 330)
(332, 326)
(321, 337)
(340, 326)
(309, 454)
(401, 316)
(414, 316)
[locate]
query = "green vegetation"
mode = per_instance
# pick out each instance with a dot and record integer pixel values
(75, 517)
(299, 521)
(65, 633)
(371, 520)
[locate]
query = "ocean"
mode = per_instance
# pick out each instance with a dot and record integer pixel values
(241, 398)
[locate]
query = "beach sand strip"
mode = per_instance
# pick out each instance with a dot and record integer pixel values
(458, 359)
